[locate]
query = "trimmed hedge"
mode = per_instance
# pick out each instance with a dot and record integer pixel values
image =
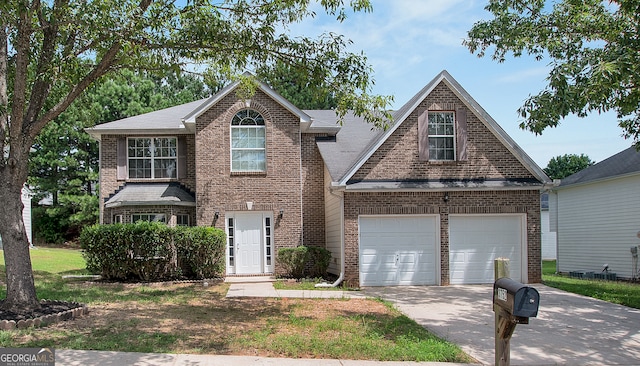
(148, 251)
(302, 260)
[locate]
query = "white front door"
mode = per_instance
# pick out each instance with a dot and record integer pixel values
(248, 243)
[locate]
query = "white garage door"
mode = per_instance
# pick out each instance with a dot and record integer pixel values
(398, 250)
(476, 240)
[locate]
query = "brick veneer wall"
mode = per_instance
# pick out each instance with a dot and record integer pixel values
(398, 157)
(109, 183)
(312, 192)
(279, 188)
(467, 202)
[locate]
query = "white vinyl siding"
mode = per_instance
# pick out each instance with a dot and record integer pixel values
(598, 224)
(333, 225)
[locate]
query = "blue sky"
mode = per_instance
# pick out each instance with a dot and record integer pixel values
(408, 42)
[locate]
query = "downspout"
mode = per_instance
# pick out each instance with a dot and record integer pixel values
(342, 263)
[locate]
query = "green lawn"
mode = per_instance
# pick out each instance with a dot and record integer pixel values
(55, 260)
(618, 292)
(192, 318)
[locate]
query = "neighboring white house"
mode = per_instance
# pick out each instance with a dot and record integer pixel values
(26, 213)
(548, 237)
(596, 214)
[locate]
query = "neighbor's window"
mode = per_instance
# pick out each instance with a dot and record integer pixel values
(442, 135)
(152, 157)
(150, 217)
(248, 152)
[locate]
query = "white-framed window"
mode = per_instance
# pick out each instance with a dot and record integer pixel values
(151, 217)
(152, 157)
(231, 241)
(248, 142)
(117, 219)
(268, 244)
(182, 220)
(442, 135)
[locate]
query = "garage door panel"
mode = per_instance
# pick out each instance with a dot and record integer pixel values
(476, 241)
(397, 250)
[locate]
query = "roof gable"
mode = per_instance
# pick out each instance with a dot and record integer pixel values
(405, 111)
(190, 119)
(624, 163)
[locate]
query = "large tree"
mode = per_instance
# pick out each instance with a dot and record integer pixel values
(51, 51)
(564, 165)
(594, 52)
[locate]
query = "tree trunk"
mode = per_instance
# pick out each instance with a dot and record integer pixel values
(21, 291)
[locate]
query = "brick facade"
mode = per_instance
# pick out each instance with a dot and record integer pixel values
(421, 203)
(294, 180)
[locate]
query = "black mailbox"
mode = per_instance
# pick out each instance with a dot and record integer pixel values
(517, 299)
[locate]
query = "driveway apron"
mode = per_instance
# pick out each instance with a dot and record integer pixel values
(570, 329)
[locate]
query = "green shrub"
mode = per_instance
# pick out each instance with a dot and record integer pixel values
(318, 259)
(201, 251)
(153, 251)
(293, 260)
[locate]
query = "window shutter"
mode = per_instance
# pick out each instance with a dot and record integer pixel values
(182, 157)
(423, 136)
(461, 134)
(121, 171)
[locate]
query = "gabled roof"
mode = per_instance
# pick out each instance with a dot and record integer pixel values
(181, 119)
(190, 119)
(401, 115)
(168, 120)
(626, 162)
(354, 138)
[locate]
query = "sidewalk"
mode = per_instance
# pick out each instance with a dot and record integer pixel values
(106, 358)
(266, 289)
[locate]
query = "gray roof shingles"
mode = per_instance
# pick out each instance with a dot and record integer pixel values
(622, 163)
(151, 194)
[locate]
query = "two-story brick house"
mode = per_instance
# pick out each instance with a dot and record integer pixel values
(432, 200)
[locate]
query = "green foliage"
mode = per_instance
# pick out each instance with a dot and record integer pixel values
(153, 251)
(319, 259)
(201, 251)
(294, 83)
(302, 260)
(593, 47)
(565, 165)
(617, 292)
(293, 260)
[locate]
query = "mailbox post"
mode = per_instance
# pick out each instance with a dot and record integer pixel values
(513, 303)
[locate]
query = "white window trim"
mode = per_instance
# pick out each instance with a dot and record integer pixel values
(232, 149)
(452, 136)
(150, 216)
(153, 158)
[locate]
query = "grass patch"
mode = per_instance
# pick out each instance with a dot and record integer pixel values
(55, 260)
(617, 292)
(191, 318)
(304, 284)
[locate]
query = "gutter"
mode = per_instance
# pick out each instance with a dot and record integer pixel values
(342, 262)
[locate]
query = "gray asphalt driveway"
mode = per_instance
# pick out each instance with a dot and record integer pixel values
(569, 330)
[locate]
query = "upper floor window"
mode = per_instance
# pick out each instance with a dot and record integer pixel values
(248, 151)
(442, 135)
(152, 157)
